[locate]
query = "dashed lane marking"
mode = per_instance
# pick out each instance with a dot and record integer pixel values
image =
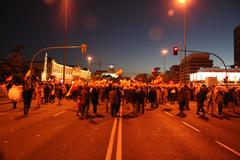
(191, 126)
(170, 105)
(55, 115)
(228, 148)
(168, 113)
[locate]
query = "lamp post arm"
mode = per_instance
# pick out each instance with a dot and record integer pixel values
(51, 48)
(210, 54)
(213, 55)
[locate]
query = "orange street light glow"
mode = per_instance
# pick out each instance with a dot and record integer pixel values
(182, 1)
(164, 51)
(89, 58)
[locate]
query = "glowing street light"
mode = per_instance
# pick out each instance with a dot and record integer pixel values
(89, 61)
(164, 53)
(182, 1)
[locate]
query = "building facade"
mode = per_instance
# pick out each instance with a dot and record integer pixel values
(237, 46)
(52, 69)
(233, 74)
(175, 73)
(194, 62)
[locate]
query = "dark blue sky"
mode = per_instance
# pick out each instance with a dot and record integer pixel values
(129, 33)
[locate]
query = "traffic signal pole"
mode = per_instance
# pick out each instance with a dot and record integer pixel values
(42, 50)
(191, 51)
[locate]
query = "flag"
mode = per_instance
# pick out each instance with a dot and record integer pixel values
(119, 72)
(27, 75)
(9, 78)
(73, 87)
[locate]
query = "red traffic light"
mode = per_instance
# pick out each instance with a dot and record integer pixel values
(175, 51)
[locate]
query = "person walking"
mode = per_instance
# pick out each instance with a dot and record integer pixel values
(106, 93)
(140, 100)
(38, 95)
(46, 93)
(113, 101)
(220, 101)
(59, 94)
(85, 100)
(119, 99)
(182, 98)
(152, 97)
(27, 97)
(210, 101)
(94, 99)
(201, 96)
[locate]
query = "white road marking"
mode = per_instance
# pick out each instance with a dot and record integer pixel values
(170, 105)
(2, 113)
(55, 115)
(119, 142)
(228, 148)
(110, 145)
(191, 126)
(168, 113)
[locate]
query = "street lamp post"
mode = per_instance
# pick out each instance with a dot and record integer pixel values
(89, 62)
(185, 41)
(164, 53)
(185, 38)
(65, 38)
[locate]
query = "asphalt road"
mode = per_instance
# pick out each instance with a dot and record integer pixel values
(55, 132)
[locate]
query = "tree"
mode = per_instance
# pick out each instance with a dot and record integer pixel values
(15, 63)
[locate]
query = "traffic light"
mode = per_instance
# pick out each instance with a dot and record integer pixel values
(175, 51)
(84, 48)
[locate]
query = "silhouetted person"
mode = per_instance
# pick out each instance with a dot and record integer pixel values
(27, 97)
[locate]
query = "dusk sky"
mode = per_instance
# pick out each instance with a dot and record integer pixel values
(129, 33)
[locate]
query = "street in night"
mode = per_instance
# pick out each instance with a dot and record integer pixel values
(120, 80)
(55, 132)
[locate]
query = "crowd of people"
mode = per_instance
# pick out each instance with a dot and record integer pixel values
(134, 96)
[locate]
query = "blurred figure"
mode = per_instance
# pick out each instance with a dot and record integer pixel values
(27, 97)
(152, 97)
(220, 101)
(140, 100)
(119, 99)
(201, 96)
(59, 94)
(113, 100)
(182, 98)
(210, 101)
(14, 94)
(38, 95)
(46, 93)
(94, 99)
(106, 93)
